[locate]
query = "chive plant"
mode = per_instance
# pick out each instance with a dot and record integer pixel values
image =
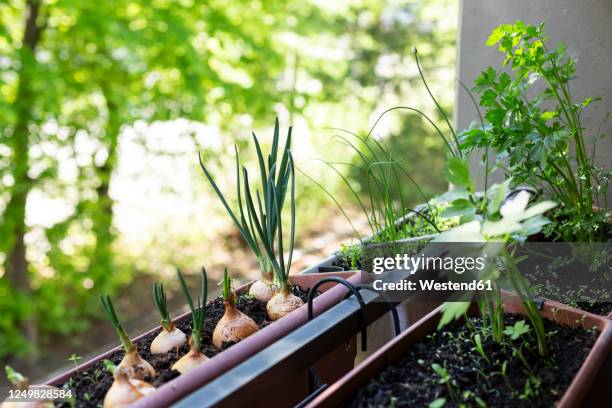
(385, 204)
(195, 356)
(234, 326)
(135, 366)
(170, 337)
(270, 171)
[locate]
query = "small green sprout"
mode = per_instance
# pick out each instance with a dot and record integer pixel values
(197, 310)
(517, 330)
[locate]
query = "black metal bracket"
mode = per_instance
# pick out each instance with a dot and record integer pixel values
(390, 304)
(315, 385)
(353, 291)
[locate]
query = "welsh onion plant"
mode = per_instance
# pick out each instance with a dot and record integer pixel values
(195, 356)
(134, 365)
(271, 234)
(271, 172)
(170, 337)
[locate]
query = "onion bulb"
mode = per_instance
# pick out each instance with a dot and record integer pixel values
(234, 325)
(191, 360)
(263, 288)
(125, 390)
(170, 337)
(168, 340)
(194, 357)
(282, 303)
(136, 366)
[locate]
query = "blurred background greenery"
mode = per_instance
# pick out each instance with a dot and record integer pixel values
(104, 104)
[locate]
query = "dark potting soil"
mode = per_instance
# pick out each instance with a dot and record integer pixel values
(472, 379)
(598, 308)
(90, 386)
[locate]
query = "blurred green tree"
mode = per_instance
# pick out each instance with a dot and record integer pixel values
(74, 74)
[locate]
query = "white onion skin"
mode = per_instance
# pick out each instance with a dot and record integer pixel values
(263, 289)
(135, 366)
(234, 326)
(281, 304)
(189, 361)
(168, 340)
(125, 390)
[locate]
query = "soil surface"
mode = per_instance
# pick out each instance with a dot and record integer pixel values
(598, 308)
(90, 386)
(499, 380)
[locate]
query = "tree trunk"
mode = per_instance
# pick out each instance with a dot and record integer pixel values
(14, 216)
(102, 262)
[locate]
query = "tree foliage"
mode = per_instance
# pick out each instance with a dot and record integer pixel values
(75, 74)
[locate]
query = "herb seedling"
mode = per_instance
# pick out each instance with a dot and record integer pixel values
(445, 378)
(194, 357)
(478, 346)
(74, 359)
(517, 330)
(170, 337)
(135, 366)
(234, 325)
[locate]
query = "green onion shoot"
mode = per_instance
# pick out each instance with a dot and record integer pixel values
(170, 338)
(194, 357)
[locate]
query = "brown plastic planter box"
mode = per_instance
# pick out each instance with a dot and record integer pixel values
(342, 359)
(591, 383)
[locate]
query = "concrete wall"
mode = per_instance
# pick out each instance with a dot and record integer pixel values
(585, 26)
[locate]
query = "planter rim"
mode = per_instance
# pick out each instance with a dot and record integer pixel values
(180, 386)
(564, 314)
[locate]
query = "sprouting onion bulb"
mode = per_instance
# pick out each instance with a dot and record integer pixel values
(234, 325)
(284, 301)
(194, 357)
(135, 366)
(21, 383)
(263, 288)
(170, 337)
(125, 390)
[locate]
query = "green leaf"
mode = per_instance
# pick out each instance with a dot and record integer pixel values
(458, 172)
(458, 208)
(438, 403)
(496, 195)
(520, 328)
(496, 35)
(451, 311)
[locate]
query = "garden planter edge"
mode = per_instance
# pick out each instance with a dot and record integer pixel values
(339, 392)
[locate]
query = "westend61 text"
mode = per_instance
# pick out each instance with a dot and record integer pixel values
(429, 285)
